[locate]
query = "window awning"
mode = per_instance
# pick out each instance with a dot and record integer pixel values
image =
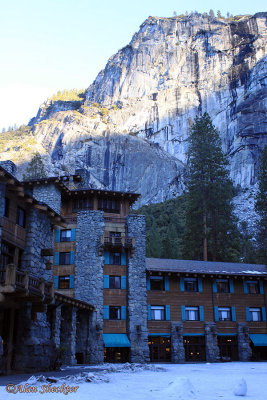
(160, 334)
(259, 339)
(116, 340)
(193, 334)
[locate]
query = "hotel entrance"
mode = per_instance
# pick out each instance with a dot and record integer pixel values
(159, 348)
(194, 347)
(228, 347)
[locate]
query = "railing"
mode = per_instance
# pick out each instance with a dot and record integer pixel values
(119, 220)
(118, 241)
(13, 280)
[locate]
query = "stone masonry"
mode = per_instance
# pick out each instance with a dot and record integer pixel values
(244, 349)
(177, 344)
(2, 202)
(39, 236)
(89, 275)
(48, 194)
(212, 349)
(68, 334)
(137, 295)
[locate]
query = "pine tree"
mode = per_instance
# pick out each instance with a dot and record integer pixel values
(261, 208)
(35, 169)
(211, 13)
(211, 228)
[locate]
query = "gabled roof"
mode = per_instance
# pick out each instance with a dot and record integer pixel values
(204, 267)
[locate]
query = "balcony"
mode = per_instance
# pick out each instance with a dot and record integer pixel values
(19, 283)
(117, 242)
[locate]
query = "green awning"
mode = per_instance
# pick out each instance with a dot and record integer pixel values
(259, 339)
(160, 334)
(116, 340)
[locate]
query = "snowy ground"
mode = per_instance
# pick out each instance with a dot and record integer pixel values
(148, 382)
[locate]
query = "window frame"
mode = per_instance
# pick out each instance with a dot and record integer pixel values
(6, 207)
(60, 278)
(257, 286)
(162, 311)
(113, 259)
(157, 278)
(68, 238)
(61, 255)
(20, 223)
(115, 308)
(187, 280)
(226, 281)
(190, 309)
(110, 280)
(253, 310)
(225, 309)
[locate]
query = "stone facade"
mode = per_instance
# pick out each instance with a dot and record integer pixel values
(9, 167)
(40, 235)
(137, 295)
(68, 334)
(244, 349)
(34, 349)
(89, 275)
(212, 349)
(2, 203)
(177, 344)
(48, 194)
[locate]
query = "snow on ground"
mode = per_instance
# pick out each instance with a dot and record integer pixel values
(151, 382)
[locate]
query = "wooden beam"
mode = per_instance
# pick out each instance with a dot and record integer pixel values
(40, 207)
(11, 181)
(29, 200)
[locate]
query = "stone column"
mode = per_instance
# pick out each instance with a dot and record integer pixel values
(244, 349)
(2, 202)
(68, 335)
(56, 326)
(88, 286)
(82, 333)
(177, 343)
(137, 295)
(211, 342)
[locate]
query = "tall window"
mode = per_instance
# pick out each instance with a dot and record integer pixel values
(255, 314)
(115, 258)
(63, 282)
(85, 203)
(109, 205)
(6, 207)
(114, 282)
(190, 284)
(191, 314)
(65, 235)
(224, 313)
(156, 283)
(114, 312)
(7, 254)
(253, 287)
(20, 217)
(157, 313)
(222, 285)
(64, 258)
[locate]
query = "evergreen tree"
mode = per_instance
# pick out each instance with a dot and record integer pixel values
(35, 169)
(211, 229)
(261, 208)
(211, 13)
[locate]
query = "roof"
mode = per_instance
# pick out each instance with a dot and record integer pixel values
(204, 267)
(131, 196)
(62, 298)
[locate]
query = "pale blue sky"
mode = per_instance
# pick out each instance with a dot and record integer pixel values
(52, 45)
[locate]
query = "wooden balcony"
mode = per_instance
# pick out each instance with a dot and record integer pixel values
(13, 232)
(19, 283)
(117, 242)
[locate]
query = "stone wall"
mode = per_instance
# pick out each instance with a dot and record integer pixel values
(244, 349)
(89, 275)
(2, 202)
(39, 236)
(48, 194)
(212, 349)
(9, 166)
(177, 343)
(34, 349)
(68, 334)
(82, 333)
(137, 295)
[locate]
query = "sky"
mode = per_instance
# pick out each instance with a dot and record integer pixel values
(52, 45)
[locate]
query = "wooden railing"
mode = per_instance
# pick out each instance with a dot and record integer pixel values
(123, 241)
(14, 280)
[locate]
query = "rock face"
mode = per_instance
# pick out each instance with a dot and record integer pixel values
(131, 131)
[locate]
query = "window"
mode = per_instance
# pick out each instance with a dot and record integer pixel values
(114, 282)
(224, 313)
(65, 235)
(190, 284)
(85, 203)
(156, 283)
(63, 282)
(157, 313)
(7, 254)
(20, 217)
(64, 258)
(255, 314)
(114, 312)
(253, 287)
(115, 258)
(222, 285)
(6, 207)
(191, 314)
(109, 205)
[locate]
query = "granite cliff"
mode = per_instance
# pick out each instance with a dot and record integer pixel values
(130, 129)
